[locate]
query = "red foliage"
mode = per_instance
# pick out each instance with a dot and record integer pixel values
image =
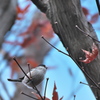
(22, 11)
(54, 97)
(55, 94)
(38, 97)
(85, 11)
(94, 18)
(32, 62)
(90, 56)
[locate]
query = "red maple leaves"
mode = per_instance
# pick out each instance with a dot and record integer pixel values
(22, 12)
(90, 56)
(93, 17)
(54, 95)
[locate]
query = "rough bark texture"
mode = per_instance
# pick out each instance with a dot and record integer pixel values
(7, 16)
(64, 16)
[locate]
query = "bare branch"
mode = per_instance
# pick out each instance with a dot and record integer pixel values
(55, 47)
(88, 85)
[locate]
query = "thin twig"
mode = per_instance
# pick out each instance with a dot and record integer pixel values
(34, 87)
(87, 34)
(76, 63)
(28, 95)
(55, 47)
(88, 85)
(45, 88)
(74, 97)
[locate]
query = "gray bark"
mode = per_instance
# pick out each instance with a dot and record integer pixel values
(7, 16)
(64, 15)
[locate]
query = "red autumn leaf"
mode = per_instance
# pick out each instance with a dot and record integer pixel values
(27, 41)
(38, 97)
(32, 62)
(94, 18)
(55, 94)
(90, 56)
(85, 11)
(22, 11)
(47, 30)
(31, 30)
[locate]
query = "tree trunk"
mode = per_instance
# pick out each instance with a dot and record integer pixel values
(7, 16)
(64, 15)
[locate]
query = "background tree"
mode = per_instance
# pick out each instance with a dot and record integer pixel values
(30, 44)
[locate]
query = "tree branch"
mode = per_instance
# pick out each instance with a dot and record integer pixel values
(40, 4)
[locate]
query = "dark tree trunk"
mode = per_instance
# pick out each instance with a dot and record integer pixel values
(64, 15)
(7, 16)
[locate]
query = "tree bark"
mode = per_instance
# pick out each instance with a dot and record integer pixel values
(64, 15)
(7, 16)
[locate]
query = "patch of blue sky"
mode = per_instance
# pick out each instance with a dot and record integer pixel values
(91, 5)
(2, 65)
(3, 93)
(10, 86)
